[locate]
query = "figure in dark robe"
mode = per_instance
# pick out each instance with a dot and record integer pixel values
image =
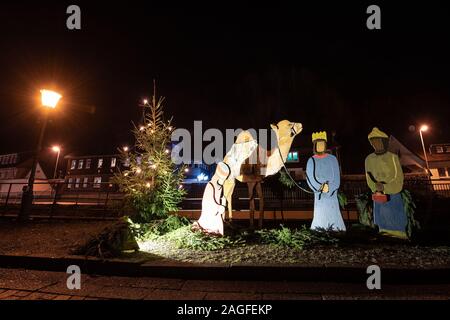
(384, 176)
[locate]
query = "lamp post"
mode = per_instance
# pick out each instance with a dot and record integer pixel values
(49, 100)
(424, 128)
(56, 149)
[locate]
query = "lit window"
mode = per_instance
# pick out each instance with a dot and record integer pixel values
(439, 149)
(85, 181)
(113, 162)
(97, 182)
(447, 149)
(441, 172)
(77, 183)
(100, 163)
(292, 157)
(73, 164)
(88, 163)
(80, 164)
(69, 185)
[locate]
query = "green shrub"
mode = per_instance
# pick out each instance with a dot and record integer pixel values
(296, 238)
(410, 209)
(157, 228)
(185, 238)
(364, 205)
(342, 198)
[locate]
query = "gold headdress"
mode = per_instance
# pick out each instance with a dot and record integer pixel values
(322, 135)
(377, 133)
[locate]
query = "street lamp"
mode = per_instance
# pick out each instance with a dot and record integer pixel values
(424, 128)
(56, 149)
(49, 99)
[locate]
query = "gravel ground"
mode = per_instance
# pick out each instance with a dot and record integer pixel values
(54, 239)
(398, 255)
(57, 238)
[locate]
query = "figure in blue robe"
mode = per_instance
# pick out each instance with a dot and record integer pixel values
(323, 177)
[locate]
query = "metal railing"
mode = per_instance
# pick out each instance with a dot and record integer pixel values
(105, 197)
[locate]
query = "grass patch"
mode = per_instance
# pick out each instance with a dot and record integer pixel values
(177, 232)
(185, 238)
(157, 228)
(297, 238)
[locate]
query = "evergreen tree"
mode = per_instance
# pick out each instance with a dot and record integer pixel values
(151, 182)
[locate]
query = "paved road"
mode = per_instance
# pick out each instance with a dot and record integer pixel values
(42, 285)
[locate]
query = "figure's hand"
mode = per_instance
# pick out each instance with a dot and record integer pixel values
(379, 187)
(325, 188)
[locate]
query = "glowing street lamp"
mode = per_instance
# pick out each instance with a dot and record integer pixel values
(49, 100)
(424, 128)
(56, 149)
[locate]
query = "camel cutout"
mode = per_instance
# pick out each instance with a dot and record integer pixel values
(236, 165)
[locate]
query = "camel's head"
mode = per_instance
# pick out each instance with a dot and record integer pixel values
(286, 129)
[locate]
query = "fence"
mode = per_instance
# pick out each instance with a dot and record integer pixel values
(107, 199)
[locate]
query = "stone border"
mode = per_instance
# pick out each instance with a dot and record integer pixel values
(320, 273)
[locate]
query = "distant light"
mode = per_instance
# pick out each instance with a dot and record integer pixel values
(125, 148)
(145, 101)
(424, 128)
(202, 177)
(186, 170)
(56, 148)
(50, 98)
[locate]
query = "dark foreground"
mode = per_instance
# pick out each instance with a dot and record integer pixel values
(20, 284)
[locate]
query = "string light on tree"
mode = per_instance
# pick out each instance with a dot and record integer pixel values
(157, 185)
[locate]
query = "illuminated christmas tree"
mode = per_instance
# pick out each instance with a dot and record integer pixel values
(151, 181)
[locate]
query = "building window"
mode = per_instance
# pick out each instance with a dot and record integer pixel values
(80, 164)
(77, 182)
(441, 172)
(97, 182)
(113, 162)
(439, 149)
(100, 163)
(85, 182)
(88, 163)
(69, 185)
(292, 157)
(73, 165)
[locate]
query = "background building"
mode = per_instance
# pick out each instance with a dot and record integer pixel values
(15, 170)
(439, 162)
(91, 172)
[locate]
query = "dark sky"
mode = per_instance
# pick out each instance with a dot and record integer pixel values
(226, 64)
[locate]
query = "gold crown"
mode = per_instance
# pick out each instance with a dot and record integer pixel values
(322, 135)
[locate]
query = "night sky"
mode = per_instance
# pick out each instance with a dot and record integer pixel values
(230, 65)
